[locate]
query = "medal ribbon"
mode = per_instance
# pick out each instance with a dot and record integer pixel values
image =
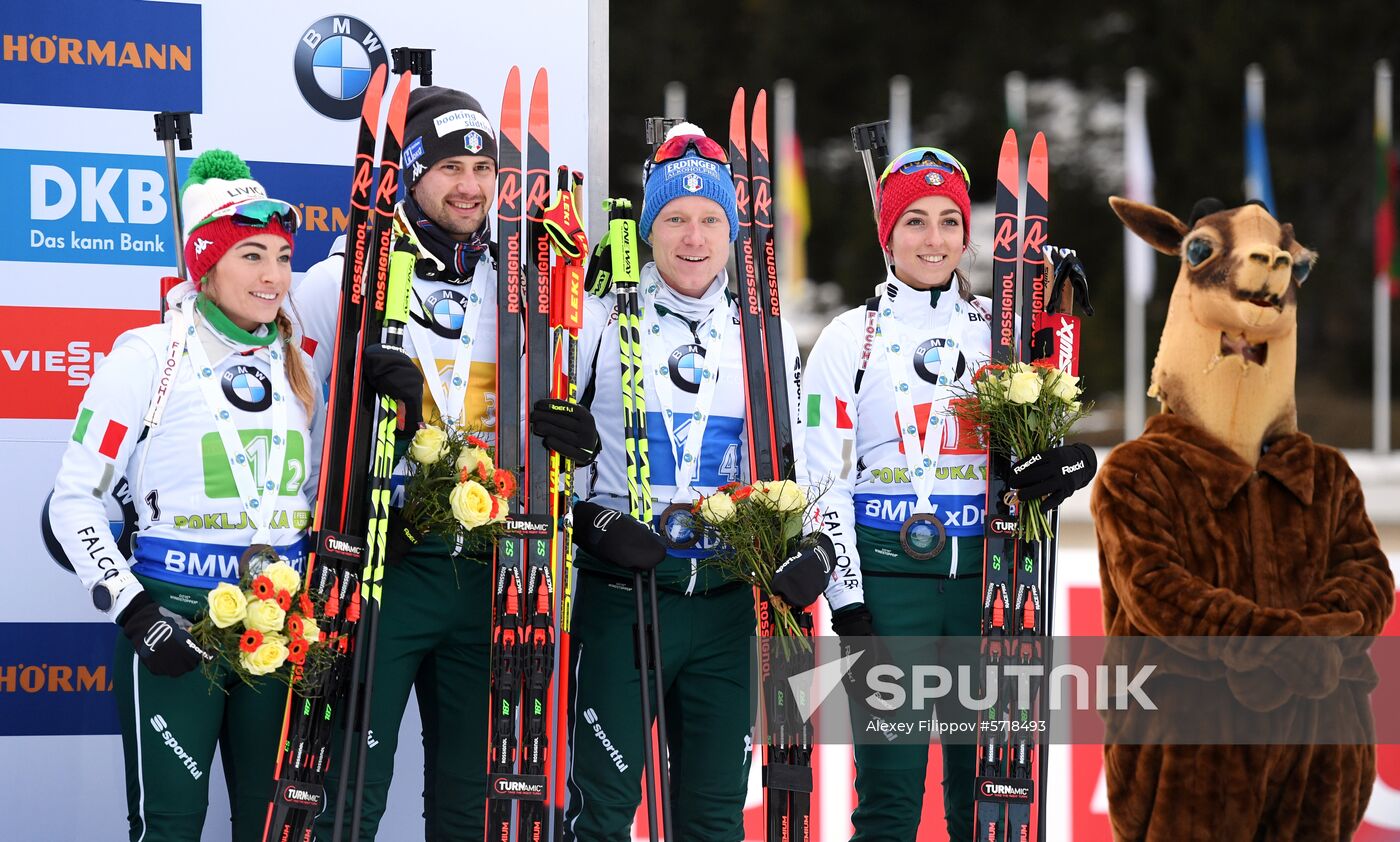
(449, 398)
(688, 457)
(258, 502)
(920, 458)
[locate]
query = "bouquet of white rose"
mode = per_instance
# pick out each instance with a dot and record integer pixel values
(1021, 409)
(455, 489)
(759, 526)
(260, 625)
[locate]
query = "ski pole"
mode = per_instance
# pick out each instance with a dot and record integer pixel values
(172, 126)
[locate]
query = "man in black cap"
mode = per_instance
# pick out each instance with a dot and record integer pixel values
(434, 634)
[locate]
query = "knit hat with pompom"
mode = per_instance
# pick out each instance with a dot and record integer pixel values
(223, 205)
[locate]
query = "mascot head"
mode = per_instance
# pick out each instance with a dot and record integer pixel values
(1229, 349)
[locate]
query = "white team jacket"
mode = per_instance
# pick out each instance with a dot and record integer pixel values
(676, 340)
(192, 524)
(853, 438)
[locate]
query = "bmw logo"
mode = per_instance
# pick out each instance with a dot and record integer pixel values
(927, 361)
(692, 183)
(334, 61)
(687, 366)
(443, 313)
(247, 388)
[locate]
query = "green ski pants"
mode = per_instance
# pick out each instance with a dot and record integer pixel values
(705, 655)
(170, 727)
(434, 636)
(890, 778)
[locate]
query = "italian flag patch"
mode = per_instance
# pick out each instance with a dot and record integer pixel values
(106, 438)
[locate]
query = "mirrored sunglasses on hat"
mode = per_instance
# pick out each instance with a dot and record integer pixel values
(925, 158)
(259, 213)
(678, 146)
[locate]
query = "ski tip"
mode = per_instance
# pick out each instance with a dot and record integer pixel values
(1008, 141)
(1037, 167)
(510, 108)
(737, 135)
(374, 94)
(539, 108)
(759, 132)
(398, 105)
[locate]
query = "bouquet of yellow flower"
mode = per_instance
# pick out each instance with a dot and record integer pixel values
(455, 489)
(759, 526)
(260, 625)
(1023, 408)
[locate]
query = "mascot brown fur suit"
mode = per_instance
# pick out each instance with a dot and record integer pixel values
(1223, 519)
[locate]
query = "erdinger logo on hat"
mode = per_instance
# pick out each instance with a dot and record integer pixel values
(335, 58)
(692, 183)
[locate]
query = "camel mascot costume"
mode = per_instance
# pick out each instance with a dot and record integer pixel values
(1223, 519)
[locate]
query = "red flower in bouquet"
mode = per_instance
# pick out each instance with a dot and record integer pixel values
(294, 626)
(296, 650)
(284, 600)
(307, 607)
(505, 482)
(263, 588)
(476, 442)
(251, 640)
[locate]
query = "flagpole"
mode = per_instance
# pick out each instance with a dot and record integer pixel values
(901, 133)
(1380, 305)
(1138, 257)
(785, 126)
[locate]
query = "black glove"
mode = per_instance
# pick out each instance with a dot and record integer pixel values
(616, 538)
(852, 624)
(402, 538)
(804, 575)
(1052, 475)
(161, 638)
(567, 429)
(390, 371)
(852, 621)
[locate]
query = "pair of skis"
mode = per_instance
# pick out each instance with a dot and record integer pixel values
(540, 305)
(346, 562)
(1018, 576)
(787, 766)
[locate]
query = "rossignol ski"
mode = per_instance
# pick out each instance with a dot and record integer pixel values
(509, 576)
(787, 771)
(524, 614)
(1009, 769)
(373, 455)
(333, 563)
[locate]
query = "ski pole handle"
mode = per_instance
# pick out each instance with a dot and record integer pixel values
(172, 126)
(871, 140)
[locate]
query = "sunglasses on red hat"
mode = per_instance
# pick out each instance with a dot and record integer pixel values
(926, 158)
(260, 213)
(678, 146)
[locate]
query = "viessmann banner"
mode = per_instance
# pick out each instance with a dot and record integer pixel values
(86, 234)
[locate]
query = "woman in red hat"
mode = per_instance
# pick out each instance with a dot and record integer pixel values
(908, 486)
(212, 419)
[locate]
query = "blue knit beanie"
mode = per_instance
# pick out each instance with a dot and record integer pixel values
(689, 175)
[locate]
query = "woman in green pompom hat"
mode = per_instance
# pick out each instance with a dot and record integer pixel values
(228, 462)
